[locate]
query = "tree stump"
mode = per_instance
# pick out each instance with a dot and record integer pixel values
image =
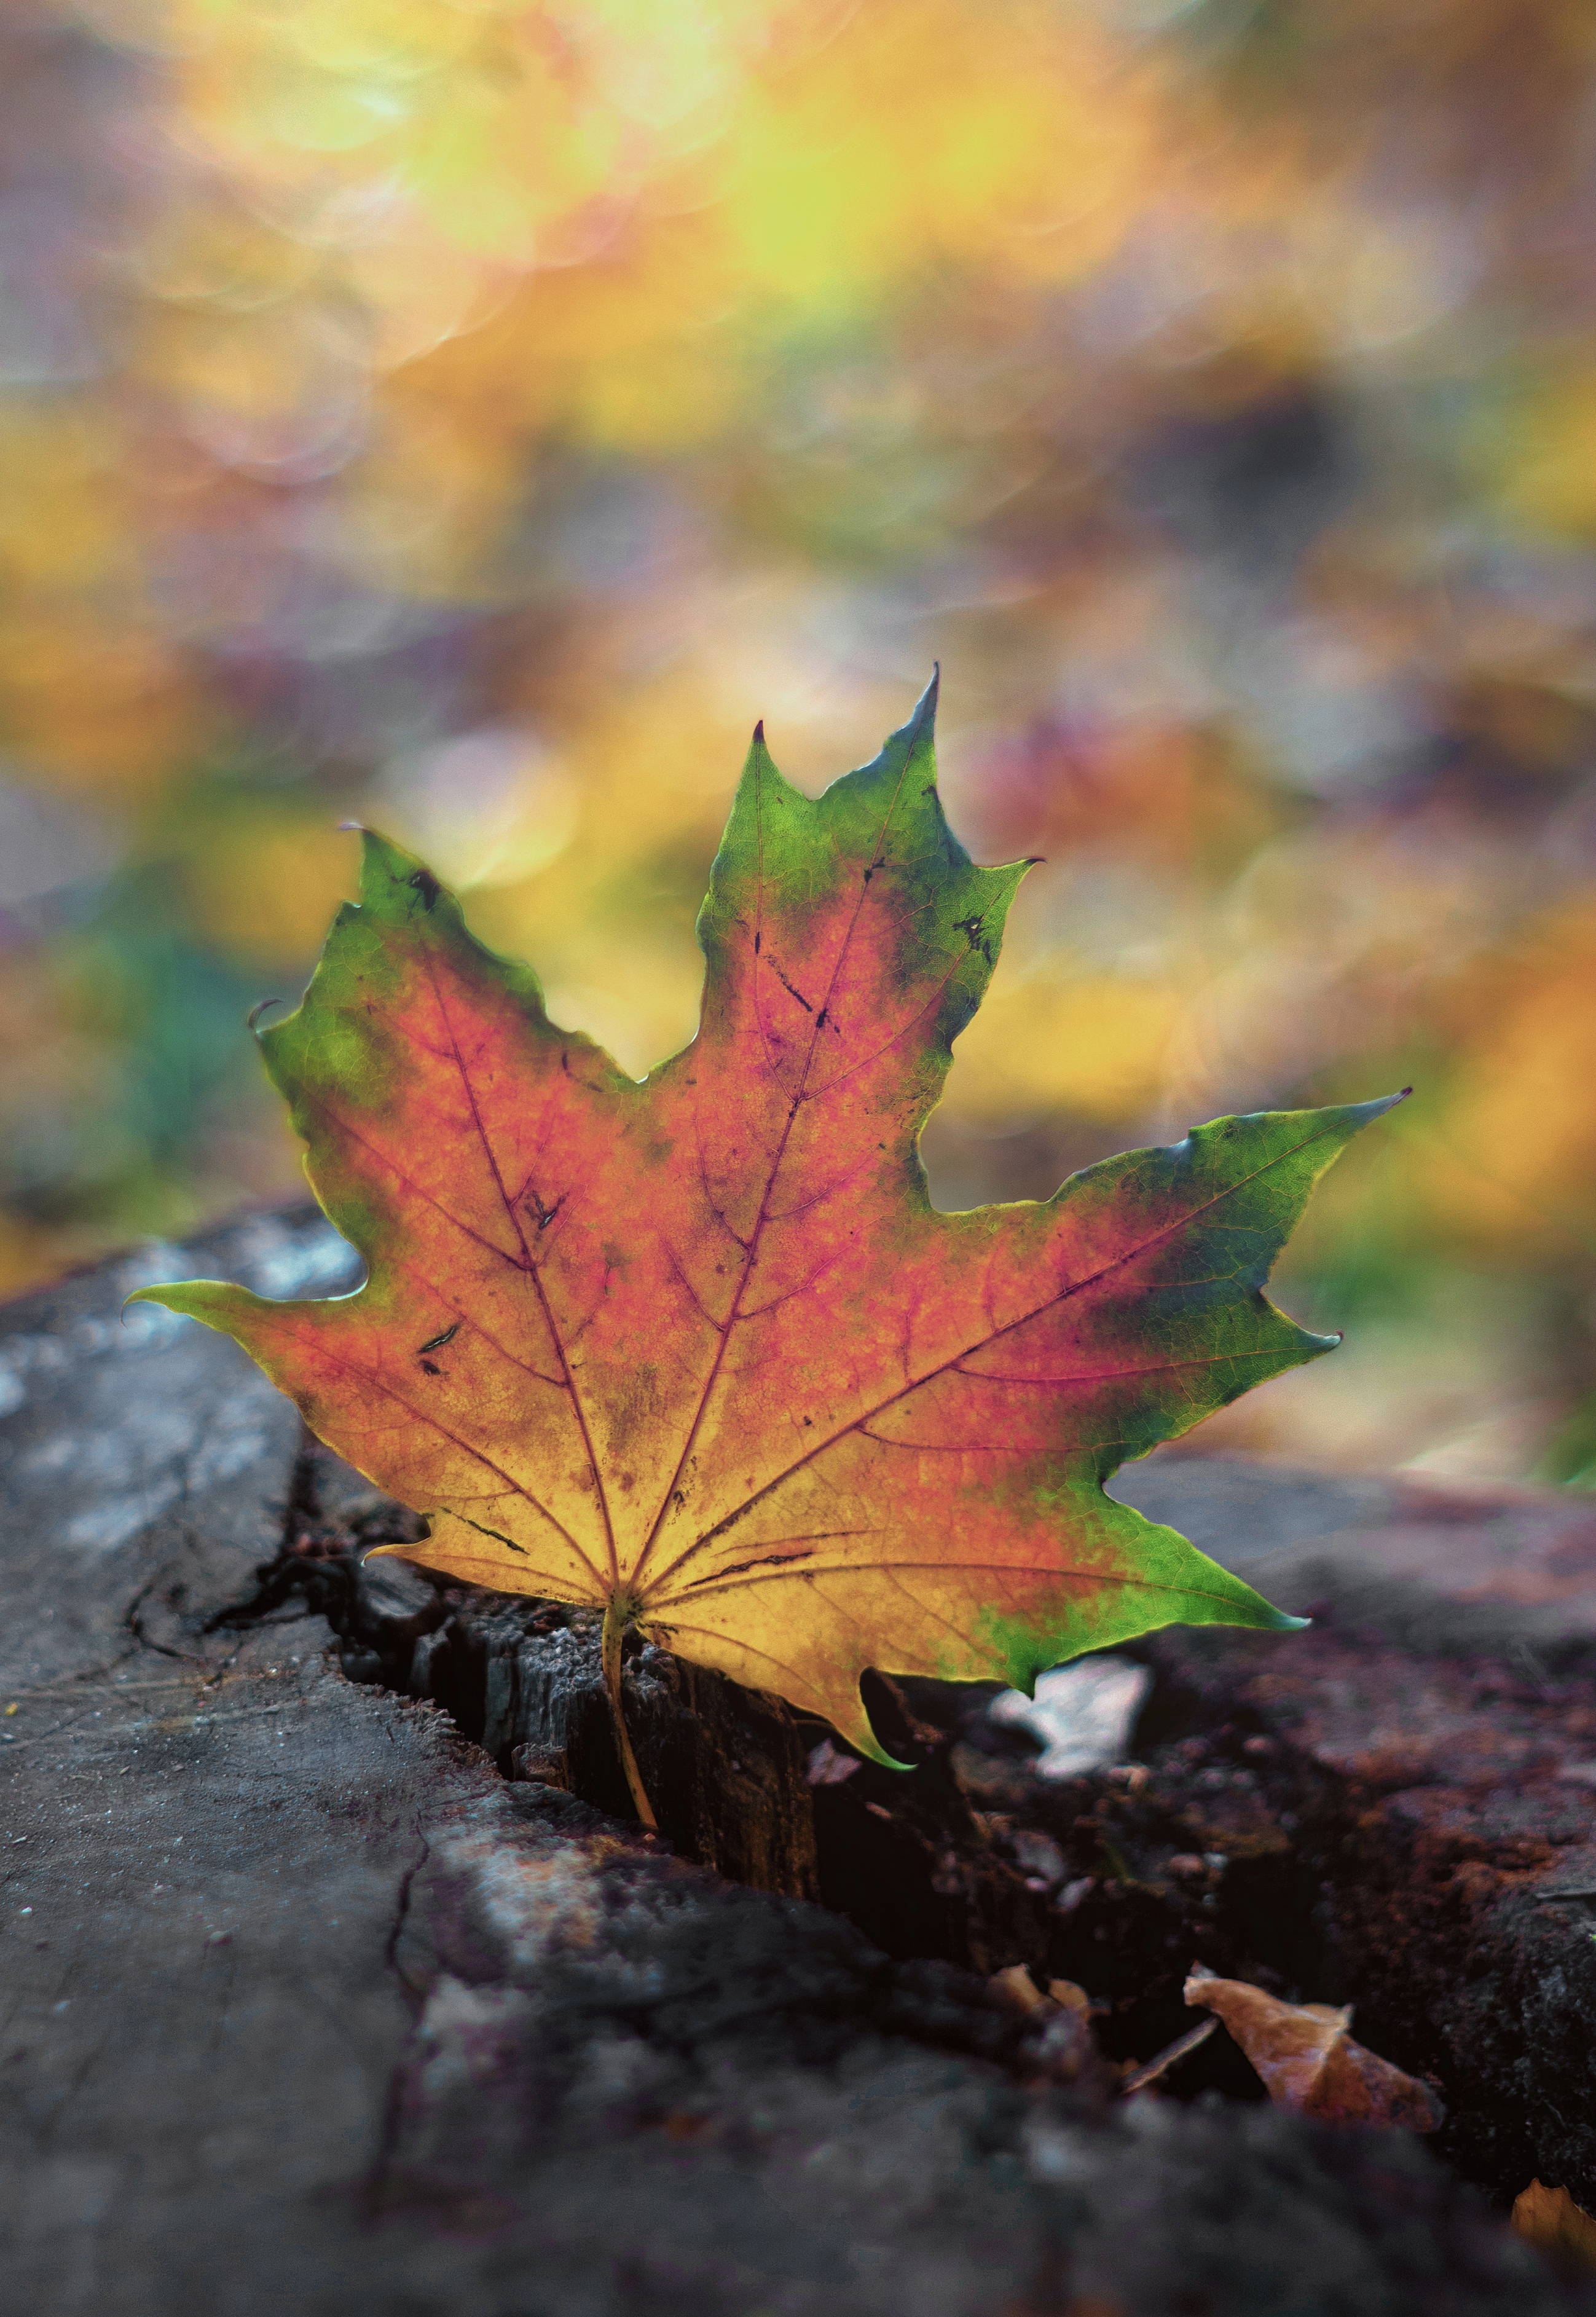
(321, 1994)
(732, 1775)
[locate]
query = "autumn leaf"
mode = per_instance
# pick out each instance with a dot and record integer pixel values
(1307, 2059)
(1550, 2220)
(699, 1350)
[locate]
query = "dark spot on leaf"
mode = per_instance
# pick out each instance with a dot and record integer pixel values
(792, 992)
(763, 1560)
(431, 1368)
(427, 885)
(974, 930)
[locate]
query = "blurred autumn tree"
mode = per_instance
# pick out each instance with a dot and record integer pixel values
(468, 415)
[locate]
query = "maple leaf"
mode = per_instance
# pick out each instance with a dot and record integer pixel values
(699, 1350)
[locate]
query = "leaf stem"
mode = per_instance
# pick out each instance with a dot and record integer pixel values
(618, 1614)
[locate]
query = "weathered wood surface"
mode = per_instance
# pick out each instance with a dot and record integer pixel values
(308, 2007)
(1429, 1751)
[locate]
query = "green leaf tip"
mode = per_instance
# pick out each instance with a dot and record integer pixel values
(395, 882)
(923, 716)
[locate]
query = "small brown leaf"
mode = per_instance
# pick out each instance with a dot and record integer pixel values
(1016, 1990)
(1550, 2220)
(1308, 2062)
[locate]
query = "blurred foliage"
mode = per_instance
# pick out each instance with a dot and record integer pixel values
(469, 415)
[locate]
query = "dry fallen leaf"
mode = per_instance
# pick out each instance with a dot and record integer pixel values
(1059, 2043)
(1016, 1990)
(699, 1352)
(1550, 2220)
(1308, 2062)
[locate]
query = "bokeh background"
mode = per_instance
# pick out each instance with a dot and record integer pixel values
(469, 415)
